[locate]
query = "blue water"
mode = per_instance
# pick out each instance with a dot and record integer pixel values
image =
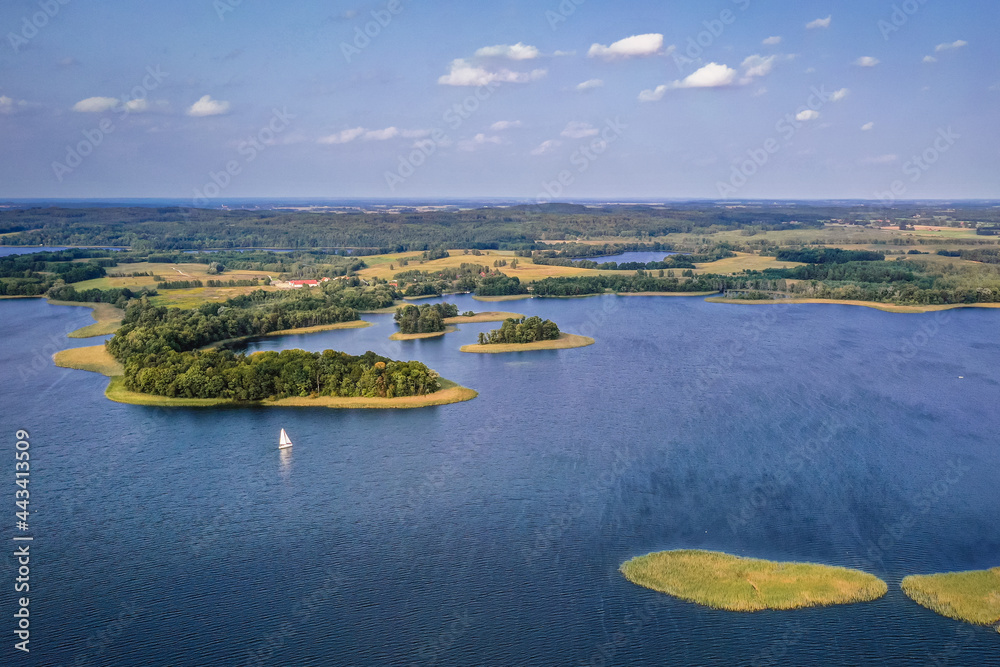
(643, 257)
(490, 532)
(6, 251)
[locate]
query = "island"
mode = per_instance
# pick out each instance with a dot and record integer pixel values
(731, 583)
(427, 321)
(973, 597)
(522, 334)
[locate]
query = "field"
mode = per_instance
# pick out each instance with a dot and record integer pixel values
(731, 583)
(973, 597)
(564, 342)
(492, 316)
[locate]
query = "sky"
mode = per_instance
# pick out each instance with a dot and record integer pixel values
(548, 100)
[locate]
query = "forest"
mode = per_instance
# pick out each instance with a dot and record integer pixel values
(424, 319)
(520, 332)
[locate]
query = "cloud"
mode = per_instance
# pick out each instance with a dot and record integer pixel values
(867, 61)
(206, 106)
(414, 134)
(479, 141)
(502, 125)
(880, 159)
(381, 135)
(757, 65)
(546, 146)
(950, 47)
(343, 137)
(636, 46)
(838, 95)
(578, 130)
(96, 104)
(9, 106)
(867, 127)
(930, 59)
(806, 115)
(517, 51)
(820, 23)
(772, 41)
(464, 73)
(712, 75)
(590, 84)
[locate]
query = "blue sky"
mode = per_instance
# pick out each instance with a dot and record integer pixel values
(545, 99)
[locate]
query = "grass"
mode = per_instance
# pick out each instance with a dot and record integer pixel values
(973, 597)
(564, 342)
(887, 307)
(731, 583)
(108, 319)
(492, 316)
(422, 336)
(97, 360)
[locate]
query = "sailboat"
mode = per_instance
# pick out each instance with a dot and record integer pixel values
(284, 442)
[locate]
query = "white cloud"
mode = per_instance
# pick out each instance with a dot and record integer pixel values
(757, 65)
(560, 54)
(381, 135)
(930, 59)
(867, 127)
(578, 130)
(820, 23)
(502, 125)
(414, 134)
(343, 137)
(479, 141)
(9, 106)
(867, 61)
(772, 41)
(546, 146)
(137, 106)
(880, 159)
(838, 95)
(206, 106)
(807, 114)
(464, 73)
(712, 75)
(636, 46)
(96, 104)
(517, 51)
(590, 84)
(949, 47)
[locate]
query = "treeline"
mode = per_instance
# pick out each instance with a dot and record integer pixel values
(119, 296)
(36, 273)
(500, 285)
(519, 332)
(984, 255)
(424, 319)
(180, 284)
(636, 283)
(829, 256)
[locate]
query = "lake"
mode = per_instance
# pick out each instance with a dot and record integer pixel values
(490, 532)
(643, 257)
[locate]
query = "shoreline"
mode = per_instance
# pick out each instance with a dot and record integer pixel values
(971, 597)
(491, 316)
(566, 341)
(354, 324)
(97, 360)
(422, 336)
(506, 297)
(108, 318)
(885, 307)
(672, 294)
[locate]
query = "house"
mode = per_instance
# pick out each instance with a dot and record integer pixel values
(297, 284)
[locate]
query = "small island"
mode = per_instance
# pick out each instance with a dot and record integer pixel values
(428, 321)
(731, 583)
(973, 597)
(523, 334)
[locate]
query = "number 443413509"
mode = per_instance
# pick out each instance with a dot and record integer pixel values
(22, 475)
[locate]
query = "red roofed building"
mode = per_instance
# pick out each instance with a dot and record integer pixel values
(303, 283)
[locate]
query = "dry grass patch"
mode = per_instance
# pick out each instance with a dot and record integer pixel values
(492, 316)
(564, 342)
(887, 307)
(973, 597)
(94, 359)
(108, 319)
(422, 336)
(723, 581)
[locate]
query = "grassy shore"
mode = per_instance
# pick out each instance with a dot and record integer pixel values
(97, 360)
(356, 324)
(564, 342)
(422, 336)
(509, 297)
(492, 316)
(973, 597)
(665, 293)
(108, 318)
(887, 307)
(731, 583)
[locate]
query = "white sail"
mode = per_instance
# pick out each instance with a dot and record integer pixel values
(284, 442)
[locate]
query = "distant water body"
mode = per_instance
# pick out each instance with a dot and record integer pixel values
(490, 532)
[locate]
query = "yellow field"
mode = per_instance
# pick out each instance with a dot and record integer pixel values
(723, 581)
(742, 262)
(973, 597)
(423, 336)
(492, 316)
(94, 359)
(564, 342)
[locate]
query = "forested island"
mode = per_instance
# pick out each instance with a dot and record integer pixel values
(526, 334)
(426, 319)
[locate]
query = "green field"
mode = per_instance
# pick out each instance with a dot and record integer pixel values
(731, 583)
(973, 597)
